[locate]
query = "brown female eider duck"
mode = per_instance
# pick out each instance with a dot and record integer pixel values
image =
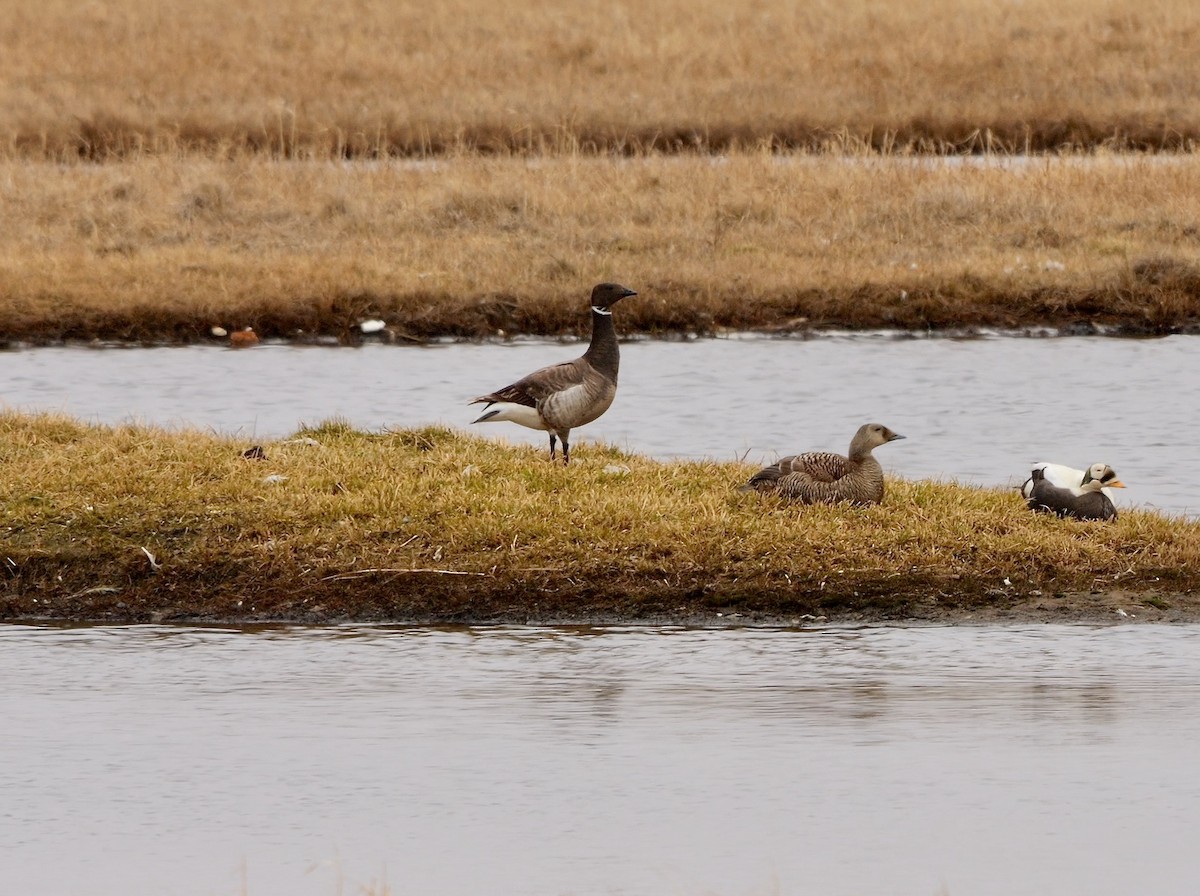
(820, 477)
(563, 396)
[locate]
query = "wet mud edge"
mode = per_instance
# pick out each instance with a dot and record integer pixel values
(1114, 606)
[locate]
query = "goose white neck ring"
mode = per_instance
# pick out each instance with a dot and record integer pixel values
(603, 311)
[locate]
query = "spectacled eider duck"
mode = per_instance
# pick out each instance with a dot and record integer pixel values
(1088, 503)
(563, 396)
(820, 477)
(1062, 476)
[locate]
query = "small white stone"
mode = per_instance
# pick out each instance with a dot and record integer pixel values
(274, 478)
(219, 332)
(469, 471)
(374, 325)
(616, 470)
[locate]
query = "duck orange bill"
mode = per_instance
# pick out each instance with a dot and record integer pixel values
(1116, 483)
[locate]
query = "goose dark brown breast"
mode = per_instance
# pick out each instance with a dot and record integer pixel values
(563, 396)
(820, 477)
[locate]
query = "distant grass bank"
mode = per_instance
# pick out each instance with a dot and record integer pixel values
(374, 79)
(138, 524)
(162, 249)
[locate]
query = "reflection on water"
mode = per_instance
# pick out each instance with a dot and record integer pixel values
(991, 760)
(979, 410)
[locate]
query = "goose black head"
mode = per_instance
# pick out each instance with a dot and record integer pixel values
(605, 295)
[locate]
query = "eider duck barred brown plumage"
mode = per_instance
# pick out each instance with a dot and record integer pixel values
(820, 477)
(1087, 502)
(563, 396)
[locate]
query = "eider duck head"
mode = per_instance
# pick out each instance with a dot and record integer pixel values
(872, 435)
(605, 295)
(1099, 476)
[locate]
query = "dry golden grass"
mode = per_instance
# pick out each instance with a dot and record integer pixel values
(379, 77)
(162, 248)
(431, 524)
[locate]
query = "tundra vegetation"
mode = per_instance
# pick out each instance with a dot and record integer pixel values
(376, 79)
(470, 169)
(162, 249)
(135, 523)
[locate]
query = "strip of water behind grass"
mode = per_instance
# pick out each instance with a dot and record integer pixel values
(978, 411)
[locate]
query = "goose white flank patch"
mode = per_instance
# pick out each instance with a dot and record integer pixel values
(821, 477)
(558, 398)
(1089, 504)
(1062, 476)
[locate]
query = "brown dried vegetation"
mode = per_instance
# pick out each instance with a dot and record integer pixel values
(375, 78)
(222, 197)
(160, 249)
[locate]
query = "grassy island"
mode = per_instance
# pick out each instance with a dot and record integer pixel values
(140, 524)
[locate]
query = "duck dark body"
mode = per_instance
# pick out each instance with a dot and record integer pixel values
(1045, 497)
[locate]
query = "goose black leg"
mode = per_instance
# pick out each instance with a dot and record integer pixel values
(552, 441)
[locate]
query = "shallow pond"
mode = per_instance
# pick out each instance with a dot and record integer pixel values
(978, 410)
(991, 760)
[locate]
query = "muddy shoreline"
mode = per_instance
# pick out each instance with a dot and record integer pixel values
(1150, 311)
(437, 599)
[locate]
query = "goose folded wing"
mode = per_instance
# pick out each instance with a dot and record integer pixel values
(538, 385)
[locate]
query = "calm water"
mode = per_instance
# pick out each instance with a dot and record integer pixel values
(994, 760)
(979, 410)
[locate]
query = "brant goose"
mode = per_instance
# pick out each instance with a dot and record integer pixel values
(560, 397)
(824, 478)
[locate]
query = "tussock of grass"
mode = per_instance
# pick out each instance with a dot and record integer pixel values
(163, 249)
(306, 78)
(431, 524)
